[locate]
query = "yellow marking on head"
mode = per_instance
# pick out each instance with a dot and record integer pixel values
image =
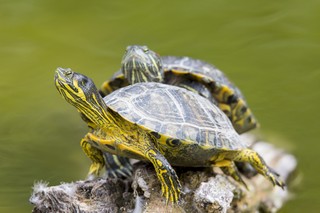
(145, 79)
(134, 63)
(133, 75)
(66, 90)
(124, 68)
(154, 62)
(80, 92)
(157, 67)
(103, 112)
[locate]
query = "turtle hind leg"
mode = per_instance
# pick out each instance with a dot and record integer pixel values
(117, 166)
(232, 171)
(259, 164)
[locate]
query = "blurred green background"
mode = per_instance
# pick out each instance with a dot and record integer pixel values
(269, 49)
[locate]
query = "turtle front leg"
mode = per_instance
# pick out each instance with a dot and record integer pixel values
(170, 185)
(96, 157)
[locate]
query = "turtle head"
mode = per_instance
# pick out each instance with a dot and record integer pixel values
(80, 91)
(140, 64)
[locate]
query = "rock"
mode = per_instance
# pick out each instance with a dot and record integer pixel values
(95, 196)
(204, 190)
(217, 192)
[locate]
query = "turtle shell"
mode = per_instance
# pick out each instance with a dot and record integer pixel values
(196, 66)
(175, 113)
(189, 65)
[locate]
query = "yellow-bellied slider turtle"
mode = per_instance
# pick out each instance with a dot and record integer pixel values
(160, 123)
(140, 64)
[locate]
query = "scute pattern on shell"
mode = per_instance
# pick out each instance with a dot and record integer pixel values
(201, 67)
(176, 113)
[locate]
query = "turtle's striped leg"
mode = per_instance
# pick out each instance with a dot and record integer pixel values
(117, 166)
(170, 185)
(234, 107)
(252, 157)
(229, 168)
(96, 157)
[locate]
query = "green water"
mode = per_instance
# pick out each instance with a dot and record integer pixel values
(270, 49)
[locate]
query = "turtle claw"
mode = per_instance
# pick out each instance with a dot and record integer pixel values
(273, 171)
(275, 181)
(259, 164)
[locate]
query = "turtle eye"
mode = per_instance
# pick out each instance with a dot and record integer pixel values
(68, 72)
(145, 49)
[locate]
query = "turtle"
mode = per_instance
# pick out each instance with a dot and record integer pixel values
(140, 64)
(158, 123)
